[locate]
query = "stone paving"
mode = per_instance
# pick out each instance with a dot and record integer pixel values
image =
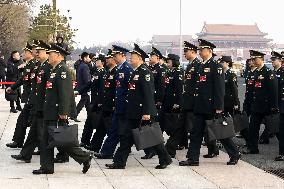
(139, 174)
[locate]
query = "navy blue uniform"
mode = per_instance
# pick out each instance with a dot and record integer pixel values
(121, 80)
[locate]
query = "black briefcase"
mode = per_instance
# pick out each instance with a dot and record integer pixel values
(241, 121)
(272, 123)
(11, 96)
(147, 136)
(63, 136)
(220, 128)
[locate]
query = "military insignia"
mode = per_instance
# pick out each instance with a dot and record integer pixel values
(167, 80)
(235, 79)
(180, 77)
(250, 82)
(136, 77)
(32, 75)
(147, 77)
(28, 70)
(220, 70)
(271, 76)
(96, 77)
(52, 75)
(118, 84)
(110, 77)
(206, 70)
(63, 75)
(260, 77)
(38, 80)
(131, 86)
(107, 84)
(188, 76)
(48, 85)
(163, 74)
(192, 69)
(121, 75)
(202, 78)
(36, 67)
(154, 71)
(257, 84)
(26, 78)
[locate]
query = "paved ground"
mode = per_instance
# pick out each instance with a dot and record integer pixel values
(140, 174)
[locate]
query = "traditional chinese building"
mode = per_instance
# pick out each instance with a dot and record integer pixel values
(235, 40)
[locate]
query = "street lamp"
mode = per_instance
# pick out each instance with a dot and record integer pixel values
(180, 33)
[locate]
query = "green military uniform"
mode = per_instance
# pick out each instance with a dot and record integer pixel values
(58, 99)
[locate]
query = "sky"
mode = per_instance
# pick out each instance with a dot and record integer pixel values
(102, 21)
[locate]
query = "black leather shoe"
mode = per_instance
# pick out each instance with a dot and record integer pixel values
(279, 158)
(189, 163)
(233, 160)
(87, 165)
(148, 156)
(41, 171)
(263, 141)
(75, 119)
(115, 166)
(102, 156)
(21, 158)
(61, 160)
(13, 110)
(247, 151)
(14, 145)
(211, 155)
(19, 108)
(164, 165)
(37, 153)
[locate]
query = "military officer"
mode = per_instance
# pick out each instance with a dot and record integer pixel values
(57, 106)
(37, 100)
(25, 80)
(97, 88)
(264, 100)
(190, 52)
(122, 76)
(209, 101)
(159, 82)
(108, 104)
(140, 105)
(231, 99)
(163, 63)
(172, 102)
(279, 72)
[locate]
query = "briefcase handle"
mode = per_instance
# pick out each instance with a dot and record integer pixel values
(151, 121)
(221, 118)
(62, 122)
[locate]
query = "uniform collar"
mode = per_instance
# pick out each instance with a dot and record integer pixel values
(205, 61)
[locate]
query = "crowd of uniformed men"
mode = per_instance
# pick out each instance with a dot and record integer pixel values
(125, 95)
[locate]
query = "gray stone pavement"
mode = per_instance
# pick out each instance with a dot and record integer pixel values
(139, 174)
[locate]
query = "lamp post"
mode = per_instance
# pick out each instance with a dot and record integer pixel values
(180, 31)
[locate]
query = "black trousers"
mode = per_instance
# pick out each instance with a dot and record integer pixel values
(196, 137)
(23, 122)
(18, 102)
(179, 137)
(126, 142)
(84, 101)
(2, 79)
(47, 155)
(88, 130)
(102, 129)
(34, 136)
(254, 126)
(281, 135)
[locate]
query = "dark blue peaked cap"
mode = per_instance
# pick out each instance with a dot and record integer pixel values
(119, 49)
(139, 51)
